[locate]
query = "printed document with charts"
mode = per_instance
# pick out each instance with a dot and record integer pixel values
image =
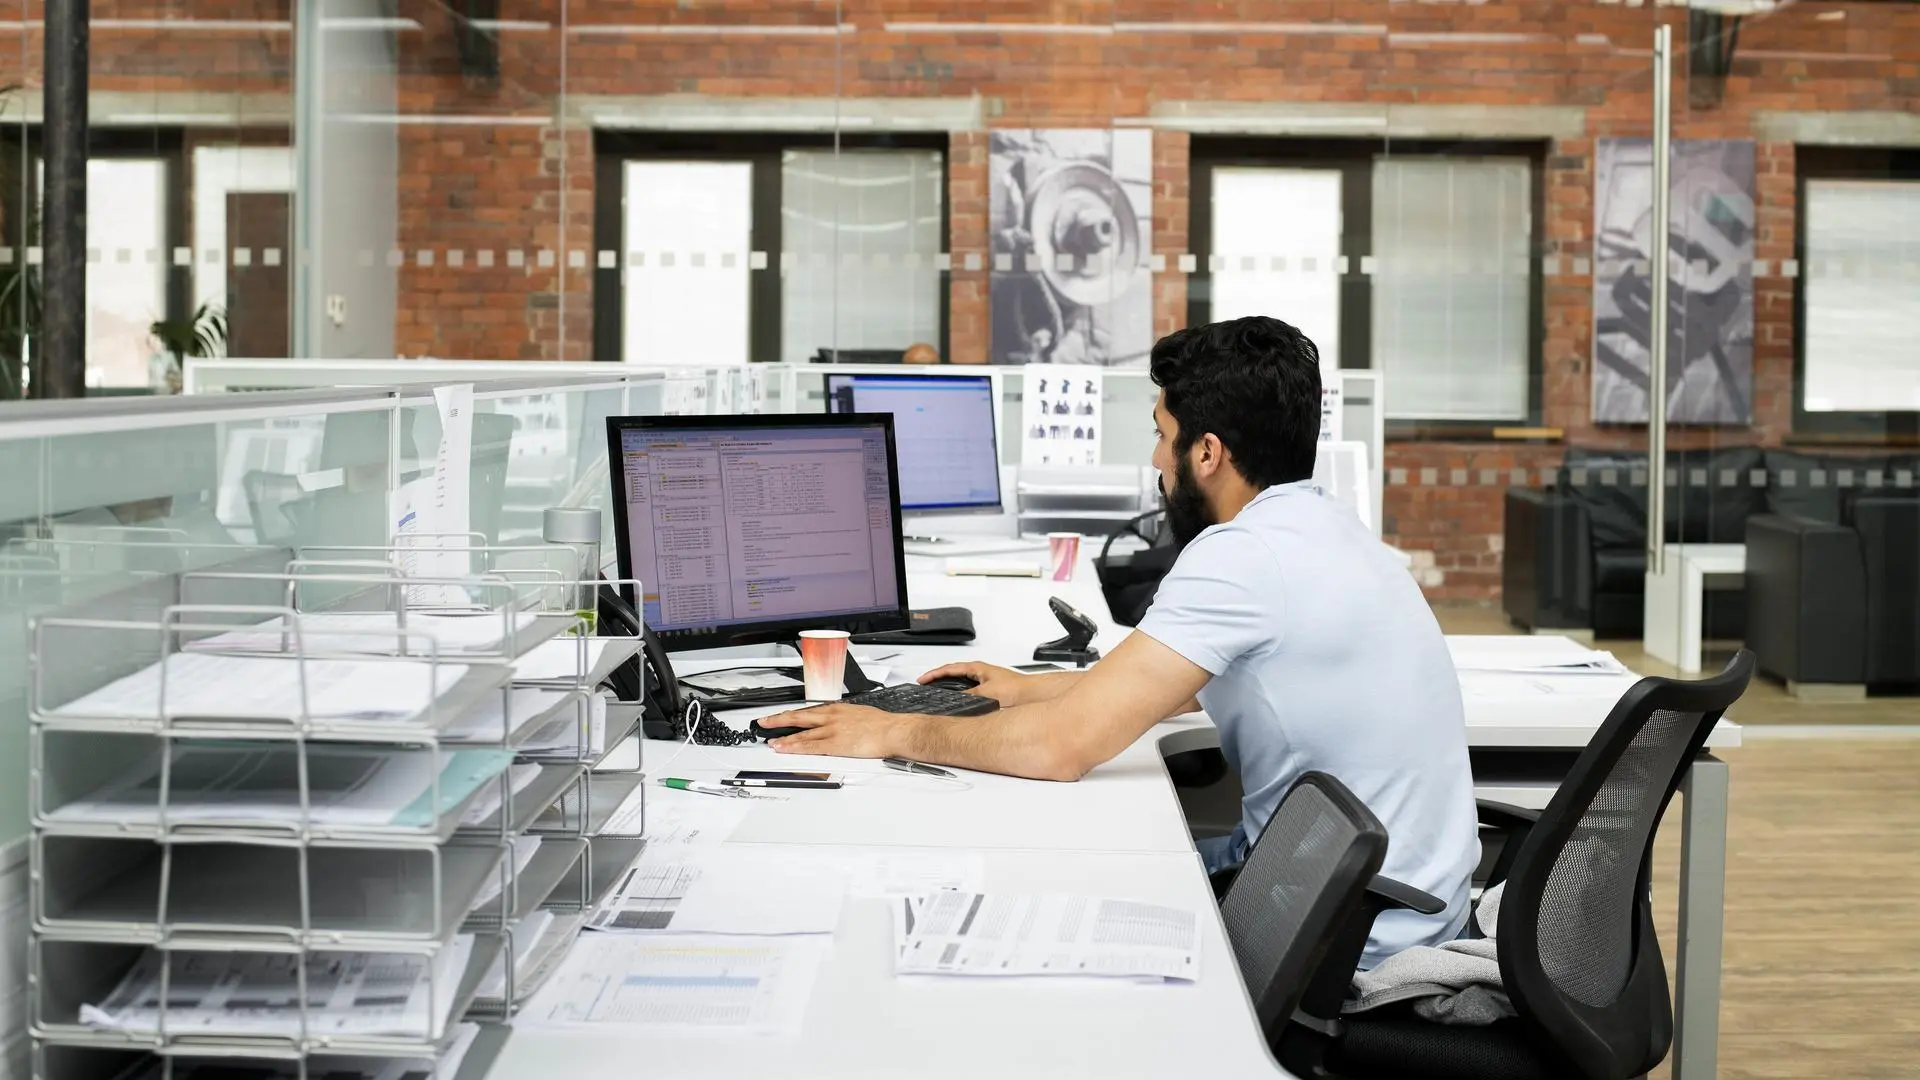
(1001, 934)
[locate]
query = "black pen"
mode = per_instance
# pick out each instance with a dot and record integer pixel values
(907, 766)
(734, 781)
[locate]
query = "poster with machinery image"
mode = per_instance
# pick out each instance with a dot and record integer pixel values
(1072, 228)
(1709, 273)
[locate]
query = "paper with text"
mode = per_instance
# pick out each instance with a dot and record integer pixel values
(689, 985)
(964, 933)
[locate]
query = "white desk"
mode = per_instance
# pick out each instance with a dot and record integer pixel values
(862, 1022)
(1676, 599)
(1117, 832)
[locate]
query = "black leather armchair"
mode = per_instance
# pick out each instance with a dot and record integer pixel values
(1838, 602)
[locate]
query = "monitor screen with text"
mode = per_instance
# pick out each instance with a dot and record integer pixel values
(733, 524)
(949, 457)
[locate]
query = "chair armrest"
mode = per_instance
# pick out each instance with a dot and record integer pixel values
(1327, 987)
(1513, 823)
(1385, 894)
(1501, 815)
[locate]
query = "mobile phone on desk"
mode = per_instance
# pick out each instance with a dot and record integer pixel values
(771, 778)
(1035, 669)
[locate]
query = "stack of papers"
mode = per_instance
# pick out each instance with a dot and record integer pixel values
(970, 933)
(259, 786)
(562, 734)
(527, 935)
(258, 994)
(490, 799)
(1530, 656)
(379, 633)
(498, 715)
(561, 660)
(523, 849)
(213, 686)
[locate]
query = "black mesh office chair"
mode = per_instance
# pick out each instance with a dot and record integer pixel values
(1298, 886)
(1577, 949)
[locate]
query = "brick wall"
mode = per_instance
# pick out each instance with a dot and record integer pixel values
(528, 182)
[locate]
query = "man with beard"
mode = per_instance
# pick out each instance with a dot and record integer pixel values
(1302, 637)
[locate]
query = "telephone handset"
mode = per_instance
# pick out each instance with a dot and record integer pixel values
(661, 714)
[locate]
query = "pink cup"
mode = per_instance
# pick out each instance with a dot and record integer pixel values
(1064, 550)
(823, 664)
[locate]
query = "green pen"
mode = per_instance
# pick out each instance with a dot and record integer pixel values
(700, 786)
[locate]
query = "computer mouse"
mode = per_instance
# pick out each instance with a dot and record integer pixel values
(955, 682)
(774, 732)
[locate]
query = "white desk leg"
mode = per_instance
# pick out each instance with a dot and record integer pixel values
(1664, 607)
(1703, 880)
(1692, 614)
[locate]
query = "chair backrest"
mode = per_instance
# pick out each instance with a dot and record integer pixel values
(1577, 949)
(1304, 876)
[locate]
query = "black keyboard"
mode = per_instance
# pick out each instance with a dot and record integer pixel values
(934, 700)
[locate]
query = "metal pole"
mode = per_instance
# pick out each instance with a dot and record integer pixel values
(1657, 330)
(309, 130)
(61, 371)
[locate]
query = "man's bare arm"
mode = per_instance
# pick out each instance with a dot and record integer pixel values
(1102, 713)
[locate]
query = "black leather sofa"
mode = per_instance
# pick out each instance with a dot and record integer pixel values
(1833, 554)
(1576, 554)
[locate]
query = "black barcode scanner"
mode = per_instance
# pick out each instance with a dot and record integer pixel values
(1076, 647)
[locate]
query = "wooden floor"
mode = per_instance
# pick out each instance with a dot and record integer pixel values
(1822, 974)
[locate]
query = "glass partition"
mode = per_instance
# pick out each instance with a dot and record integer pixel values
(1794, 390)
(104, 495)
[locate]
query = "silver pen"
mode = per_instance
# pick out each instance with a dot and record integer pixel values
(907, 766)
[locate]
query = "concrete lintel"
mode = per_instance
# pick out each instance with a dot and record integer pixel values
(702, 112)
(127, 108)
(1876, 128)
(1310, 118)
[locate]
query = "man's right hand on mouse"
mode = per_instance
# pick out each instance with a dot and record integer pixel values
(1004, 685)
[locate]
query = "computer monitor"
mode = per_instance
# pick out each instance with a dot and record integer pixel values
(747, 529)
(949, 456)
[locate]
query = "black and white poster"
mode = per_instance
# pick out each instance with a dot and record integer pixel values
(1709, 273)
(1060, 415)
(1072, 228)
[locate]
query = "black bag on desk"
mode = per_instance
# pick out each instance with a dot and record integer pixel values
(928, 626)
(1130, 580)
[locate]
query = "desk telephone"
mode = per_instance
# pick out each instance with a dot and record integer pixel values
(664, 706)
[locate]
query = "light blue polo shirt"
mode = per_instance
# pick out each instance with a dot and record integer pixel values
(1325, 656)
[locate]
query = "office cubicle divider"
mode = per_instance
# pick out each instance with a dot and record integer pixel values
(1127, 396)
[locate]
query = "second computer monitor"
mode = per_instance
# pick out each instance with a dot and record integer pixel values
(751, 528)
(949, 453)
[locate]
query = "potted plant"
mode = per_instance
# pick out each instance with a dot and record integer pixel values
(205, 334)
